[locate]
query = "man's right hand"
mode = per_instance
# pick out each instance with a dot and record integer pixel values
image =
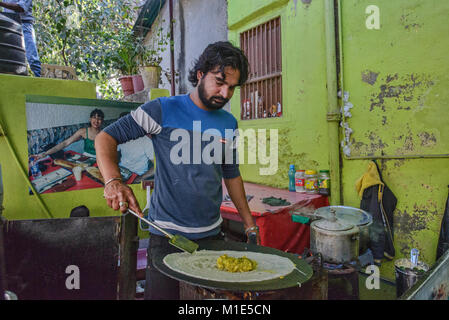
(120, 197)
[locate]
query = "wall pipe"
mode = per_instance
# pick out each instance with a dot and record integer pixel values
(172, 50)
(399, 156)
(333, 110)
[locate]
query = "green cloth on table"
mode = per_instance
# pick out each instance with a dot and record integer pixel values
(272, 201)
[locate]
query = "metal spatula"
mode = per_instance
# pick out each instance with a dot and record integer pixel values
(143, 226)
(176, 240)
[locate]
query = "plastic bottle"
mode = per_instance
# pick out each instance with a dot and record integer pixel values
(311, 181)
(35, 172)
(291, 178)
(324, 183)
(299, 181)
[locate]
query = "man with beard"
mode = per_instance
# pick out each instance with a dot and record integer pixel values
(187, 194)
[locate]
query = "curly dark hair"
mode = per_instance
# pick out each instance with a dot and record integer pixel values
(220, 54)
(97, 112)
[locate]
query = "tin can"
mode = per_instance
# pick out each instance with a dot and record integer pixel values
(407, 274)
(324, 182)
(311, 181)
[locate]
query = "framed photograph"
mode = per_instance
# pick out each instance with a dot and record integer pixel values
(61, 148)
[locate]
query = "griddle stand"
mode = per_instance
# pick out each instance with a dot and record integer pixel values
(316, 288)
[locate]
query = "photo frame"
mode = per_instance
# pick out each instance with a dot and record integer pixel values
(60, 139)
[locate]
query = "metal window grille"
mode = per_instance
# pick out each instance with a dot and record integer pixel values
(261, 95)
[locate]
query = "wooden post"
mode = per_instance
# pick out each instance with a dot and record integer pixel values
(128, 258)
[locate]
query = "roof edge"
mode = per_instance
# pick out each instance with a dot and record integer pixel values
(147, 16)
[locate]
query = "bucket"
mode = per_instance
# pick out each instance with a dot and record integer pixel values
(127, 85)
(406, 275)
(137, 83)
(151, 76)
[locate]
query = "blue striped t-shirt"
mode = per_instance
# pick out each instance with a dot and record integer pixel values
(194, 150)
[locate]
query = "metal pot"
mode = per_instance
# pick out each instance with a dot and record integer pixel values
(336, 241)
(407, 275)
(350, 216)
(364, 237)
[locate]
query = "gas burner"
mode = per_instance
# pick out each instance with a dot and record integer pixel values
(341, 266)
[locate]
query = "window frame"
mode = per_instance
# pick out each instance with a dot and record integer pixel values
(263, 46)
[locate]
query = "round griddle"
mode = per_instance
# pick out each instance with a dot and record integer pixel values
(295, 278)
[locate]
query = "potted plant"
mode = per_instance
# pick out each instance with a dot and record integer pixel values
(124, 60)
(149, 58)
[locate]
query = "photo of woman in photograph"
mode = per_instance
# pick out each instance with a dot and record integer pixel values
(88, 134)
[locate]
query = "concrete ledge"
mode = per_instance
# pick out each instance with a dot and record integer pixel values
(147, 95)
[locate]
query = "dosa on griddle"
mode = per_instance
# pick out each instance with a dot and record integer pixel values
(203, 265)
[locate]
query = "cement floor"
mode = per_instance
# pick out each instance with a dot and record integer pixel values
(386, 291)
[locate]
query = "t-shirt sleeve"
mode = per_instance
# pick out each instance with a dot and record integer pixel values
(146, 119)
(230, 166)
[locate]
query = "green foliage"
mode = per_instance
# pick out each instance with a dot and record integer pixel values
(132, 53)
(87, 35)
(123, 58)
(151, 55)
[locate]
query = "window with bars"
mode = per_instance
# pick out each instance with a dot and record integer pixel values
(261, 95)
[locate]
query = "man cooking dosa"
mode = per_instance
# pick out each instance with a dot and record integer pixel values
(188, 187)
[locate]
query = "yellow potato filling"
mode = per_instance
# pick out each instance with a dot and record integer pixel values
(231, 264)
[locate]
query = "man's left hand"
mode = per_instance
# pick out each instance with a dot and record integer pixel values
(252, 235)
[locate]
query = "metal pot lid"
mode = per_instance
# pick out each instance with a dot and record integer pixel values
(345, 215)
(330, 225)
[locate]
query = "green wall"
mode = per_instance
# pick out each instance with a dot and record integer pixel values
(396, 78)
(18, 203)
(302, 128)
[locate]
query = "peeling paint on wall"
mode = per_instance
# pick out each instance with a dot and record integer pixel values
(410, 20)
(427, 139)
(402, 92)
(373, 147)
(409, 221)
(398, 163)
(408, 145)
(369, 76)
